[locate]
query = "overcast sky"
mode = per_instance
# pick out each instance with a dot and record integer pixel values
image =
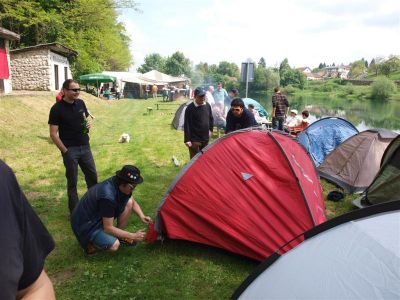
(307, 32)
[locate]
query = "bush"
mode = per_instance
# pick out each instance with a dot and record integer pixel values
(349, 89)
(382, 88)
(289, 89)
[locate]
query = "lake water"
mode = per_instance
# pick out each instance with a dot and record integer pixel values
(364, 114)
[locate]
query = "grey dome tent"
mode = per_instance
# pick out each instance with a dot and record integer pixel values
(179, 118)
(386, 185)
(353, 256)
(354, 164)
(324, 135)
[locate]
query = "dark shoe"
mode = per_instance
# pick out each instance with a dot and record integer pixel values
(90, 249)
(127, 242)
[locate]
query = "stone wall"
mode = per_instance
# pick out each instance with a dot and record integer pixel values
(31, 70)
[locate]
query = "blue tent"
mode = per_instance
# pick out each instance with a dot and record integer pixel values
(261, 110)
(324, 135)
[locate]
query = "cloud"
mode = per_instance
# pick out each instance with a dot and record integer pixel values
(307, 32)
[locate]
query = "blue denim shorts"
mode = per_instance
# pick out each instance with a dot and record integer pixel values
(102, 240)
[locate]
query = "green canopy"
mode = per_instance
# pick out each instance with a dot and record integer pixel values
(96, 78)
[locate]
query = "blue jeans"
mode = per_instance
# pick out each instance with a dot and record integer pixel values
(82, 156)
(277, 123)
(102, 240)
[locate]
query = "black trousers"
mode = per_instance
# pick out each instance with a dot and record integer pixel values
(82, 156)
(277, 123)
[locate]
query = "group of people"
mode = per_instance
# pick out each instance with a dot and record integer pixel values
(209, 108)
(280, 109)
(199, 117)
(92, 217)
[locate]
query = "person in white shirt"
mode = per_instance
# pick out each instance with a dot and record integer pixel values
(294, 120)
(209, 95)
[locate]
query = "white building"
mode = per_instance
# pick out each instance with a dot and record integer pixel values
(5, 75)
(42, 67)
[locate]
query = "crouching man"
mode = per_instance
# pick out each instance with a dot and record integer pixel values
(93, 218)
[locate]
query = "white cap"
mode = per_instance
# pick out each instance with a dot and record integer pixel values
(294, 111)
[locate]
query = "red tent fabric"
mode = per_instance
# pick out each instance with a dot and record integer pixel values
(4, 72)
(250, 192)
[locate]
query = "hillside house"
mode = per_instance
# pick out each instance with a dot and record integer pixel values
(42, 67)
(5, 75)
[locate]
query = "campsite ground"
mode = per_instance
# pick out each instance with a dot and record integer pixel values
(175, 269)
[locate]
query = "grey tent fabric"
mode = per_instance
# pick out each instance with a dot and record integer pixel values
(386, 185)
(354, 164)
(179, 118)
(354, 256)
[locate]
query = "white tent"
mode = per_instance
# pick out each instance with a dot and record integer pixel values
(162, 78)
(354, 256)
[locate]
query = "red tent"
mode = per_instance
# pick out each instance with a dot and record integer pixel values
(251, 192)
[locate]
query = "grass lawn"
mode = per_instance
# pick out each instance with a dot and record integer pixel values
(172, 270)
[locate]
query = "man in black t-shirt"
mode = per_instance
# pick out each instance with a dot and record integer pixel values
(24, 244)
(69, 130)
(239, 117)
(199, 123)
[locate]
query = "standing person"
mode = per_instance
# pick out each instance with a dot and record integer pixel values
(117, 92)
(280, 107)
(154, 90)
(69, 130)
(93, 219)
(146, 91)
(198, 124)
(220, 94)
(25, 243)
(165, 92)
(239, 117)
(209, 95)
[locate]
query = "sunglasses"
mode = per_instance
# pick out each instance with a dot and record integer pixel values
(74, 90)
(131, 186)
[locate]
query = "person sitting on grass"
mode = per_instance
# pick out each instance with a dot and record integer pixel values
(93, 218)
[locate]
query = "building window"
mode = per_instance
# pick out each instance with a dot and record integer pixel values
(56, 77)
(66, 73)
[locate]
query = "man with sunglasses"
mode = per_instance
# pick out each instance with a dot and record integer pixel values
(239, 116)
(69, 131)
(93, 218)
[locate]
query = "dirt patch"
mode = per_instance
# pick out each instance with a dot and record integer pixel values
(34, 195)
(60, 277)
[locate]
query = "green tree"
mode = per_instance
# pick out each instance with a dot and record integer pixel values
(90, 27)
(227, 68)
(152, 61)
(177, 64)
(265, 79)
(382, 88)
(373, 67)
(357, 69)
(261, 63)
(392, 64)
